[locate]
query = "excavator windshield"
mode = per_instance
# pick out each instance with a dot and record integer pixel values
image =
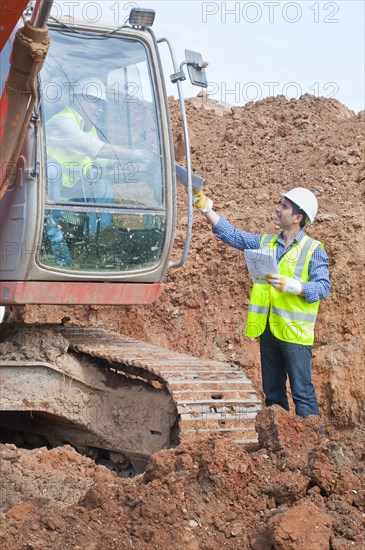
(105, 195)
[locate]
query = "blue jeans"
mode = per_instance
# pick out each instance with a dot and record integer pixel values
(281, 360)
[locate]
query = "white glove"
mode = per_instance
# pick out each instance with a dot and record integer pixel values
(284, 284)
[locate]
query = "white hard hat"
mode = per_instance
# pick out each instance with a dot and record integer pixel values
(91, 88)
(305, 199)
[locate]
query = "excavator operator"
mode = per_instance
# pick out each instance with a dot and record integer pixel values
(74, 145)
(77, 161)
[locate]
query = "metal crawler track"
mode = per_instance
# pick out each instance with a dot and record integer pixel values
(210, 396)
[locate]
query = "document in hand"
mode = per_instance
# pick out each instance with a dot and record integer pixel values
(260, 263)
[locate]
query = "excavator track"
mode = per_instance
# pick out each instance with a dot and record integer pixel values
(211, 396)
(128, 397)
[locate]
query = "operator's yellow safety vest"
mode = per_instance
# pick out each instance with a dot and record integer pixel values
(72, 164)
(290, 317)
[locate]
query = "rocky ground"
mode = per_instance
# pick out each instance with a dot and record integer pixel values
(293, 490)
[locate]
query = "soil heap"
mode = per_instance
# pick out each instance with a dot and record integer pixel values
(294, 491)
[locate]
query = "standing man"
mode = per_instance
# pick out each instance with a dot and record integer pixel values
(283, 311)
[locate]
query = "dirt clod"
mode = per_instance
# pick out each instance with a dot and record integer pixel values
(304, 527)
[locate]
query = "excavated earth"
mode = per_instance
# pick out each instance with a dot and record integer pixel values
(293, 490)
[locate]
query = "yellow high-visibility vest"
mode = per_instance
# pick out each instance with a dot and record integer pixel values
(290, 317)
(72, 164)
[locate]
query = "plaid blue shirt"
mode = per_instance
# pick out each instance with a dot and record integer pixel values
(318, 285)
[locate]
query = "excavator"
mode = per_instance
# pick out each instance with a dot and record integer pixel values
(95, 224)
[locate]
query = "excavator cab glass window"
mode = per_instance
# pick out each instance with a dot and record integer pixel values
(104, 204)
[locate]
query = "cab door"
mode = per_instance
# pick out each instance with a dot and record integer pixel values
(107, 163)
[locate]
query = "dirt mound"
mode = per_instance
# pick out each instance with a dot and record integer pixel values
(294, 493)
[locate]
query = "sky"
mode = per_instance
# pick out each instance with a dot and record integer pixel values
(256, 49)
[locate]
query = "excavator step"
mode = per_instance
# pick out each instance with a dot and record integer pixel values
(210, 396)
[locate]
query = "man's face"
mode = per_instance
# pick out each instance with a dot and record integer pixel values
(92, 109)
(284, 216)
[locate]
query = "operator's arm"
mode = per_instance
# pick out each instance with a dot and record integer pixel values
(319, 285)
(64, 132)
(117, 153)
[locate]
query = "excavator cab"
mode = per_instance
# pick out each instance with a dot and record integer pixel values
(104, 214)
(93, 197)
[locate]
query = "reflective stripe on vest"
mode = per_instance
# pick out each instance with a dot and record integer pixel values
(72, 164)
(290, 317)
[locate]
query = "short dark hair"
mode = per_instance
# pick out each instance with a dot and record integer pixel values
(297, 210)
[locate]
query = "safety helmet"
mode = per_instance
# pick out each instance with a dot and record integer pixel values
(305, 199)
(91, 88)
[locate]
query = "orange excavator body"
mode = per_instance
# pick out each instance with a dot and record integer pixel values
(11, 12)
